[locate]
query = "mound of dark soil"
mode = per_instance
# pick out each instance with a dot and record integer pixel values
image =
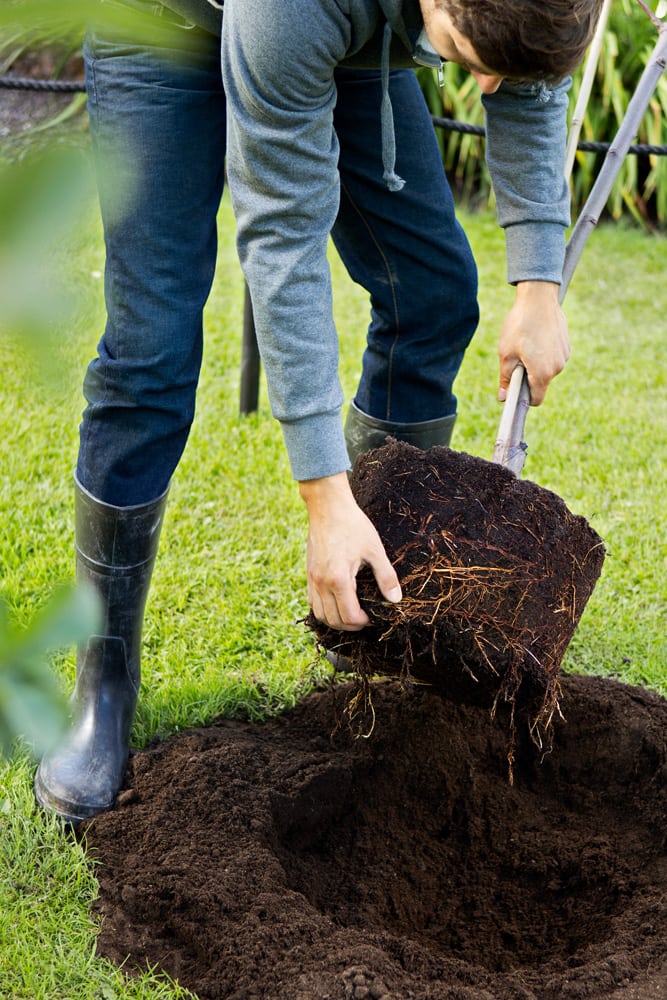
(275, 861)
(496, 572)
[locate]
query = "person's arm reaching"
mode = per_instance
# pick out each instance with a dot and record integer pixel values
(526, 135)
(278, 66)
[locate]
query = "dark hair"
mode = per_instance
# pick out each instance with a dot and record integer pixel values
(526, 39)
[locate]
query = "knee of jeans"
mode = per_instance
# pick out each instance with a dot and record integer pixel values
(436, 323)
(449, 310)
(155, 386)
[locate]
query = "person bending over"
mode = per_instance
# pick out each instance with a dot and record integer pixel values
(316, 112)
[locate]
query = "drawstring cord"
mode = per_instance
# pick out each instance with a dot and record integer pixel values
(391, 178)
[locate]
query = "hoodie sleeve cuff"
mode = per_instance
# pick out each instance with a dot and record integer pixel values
(535, 252)
(316, 446)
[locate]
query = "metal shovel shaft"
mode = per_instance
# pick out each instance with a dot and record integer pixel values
(625, 136)
(510, 449)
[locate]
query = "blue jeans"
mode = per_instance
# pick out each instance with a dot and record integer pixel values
(157, 116)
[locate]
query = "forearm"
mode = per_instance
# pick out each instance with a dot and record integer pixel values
(526, 137)
(283, 177)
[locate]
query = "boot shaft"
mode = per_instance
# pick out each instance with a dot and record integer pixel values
(119, 537)
(363, 432)
(115, 553)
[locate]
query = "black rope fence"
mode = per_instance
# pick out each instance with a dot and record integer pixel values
(639, 149)
(447, 124)
(27, 83)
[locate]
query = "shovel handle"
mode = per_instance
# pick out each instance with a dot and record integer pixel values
(510, 449)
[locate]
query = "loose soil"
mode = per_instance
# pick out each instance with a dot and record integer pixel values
(273, 860)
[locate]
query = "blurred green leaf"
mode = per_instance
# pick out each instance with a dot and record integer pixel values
(31, 703)
(67, 16)
(42, 198)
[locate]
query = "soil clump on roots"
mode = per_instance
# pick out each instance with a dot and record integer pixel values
(495, 571)
(259, 861)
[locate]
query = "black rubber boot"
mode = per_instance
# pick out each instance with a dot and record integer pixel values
(115, 553)
(363, 432)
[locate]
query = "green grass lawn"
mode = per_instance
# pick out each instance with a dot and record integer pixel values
(222, 630)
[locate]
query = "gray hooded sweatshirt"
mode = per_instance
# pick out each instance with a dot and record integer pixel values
(278, 59)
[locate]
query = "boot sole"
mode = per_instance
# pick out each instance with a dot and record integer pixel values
(68, 813)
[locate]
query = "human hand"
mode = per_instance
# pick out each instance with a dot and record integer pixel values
(341, 539)
(534, 334)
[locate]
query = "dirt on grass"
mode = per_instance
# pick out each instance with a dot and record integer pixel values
(273, 860)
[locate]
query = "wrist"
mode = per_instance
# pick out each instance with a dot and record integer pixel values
(537, 288)
(318, 494)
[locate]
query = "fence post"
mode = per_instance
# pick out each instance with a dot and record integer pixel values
(250, 363)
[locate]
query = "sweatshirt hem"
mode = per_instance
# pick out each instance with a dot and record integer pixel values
(535, 252)
(316, 446)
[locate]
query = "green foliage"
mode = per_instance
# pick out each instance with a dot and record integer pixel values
(42, 196)
(640, 189)
(41, 200)
(31, 704)
(28, 23)
(23, 31)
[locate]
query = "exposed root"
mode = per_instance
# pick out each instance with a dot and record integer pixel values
(495, 573)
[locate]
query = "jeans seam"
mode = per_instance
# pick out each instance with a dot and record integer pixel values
(392, 286)
(91, 81)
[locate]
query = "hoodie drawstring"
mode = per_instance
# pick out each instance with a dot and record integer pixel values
(391, 178)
